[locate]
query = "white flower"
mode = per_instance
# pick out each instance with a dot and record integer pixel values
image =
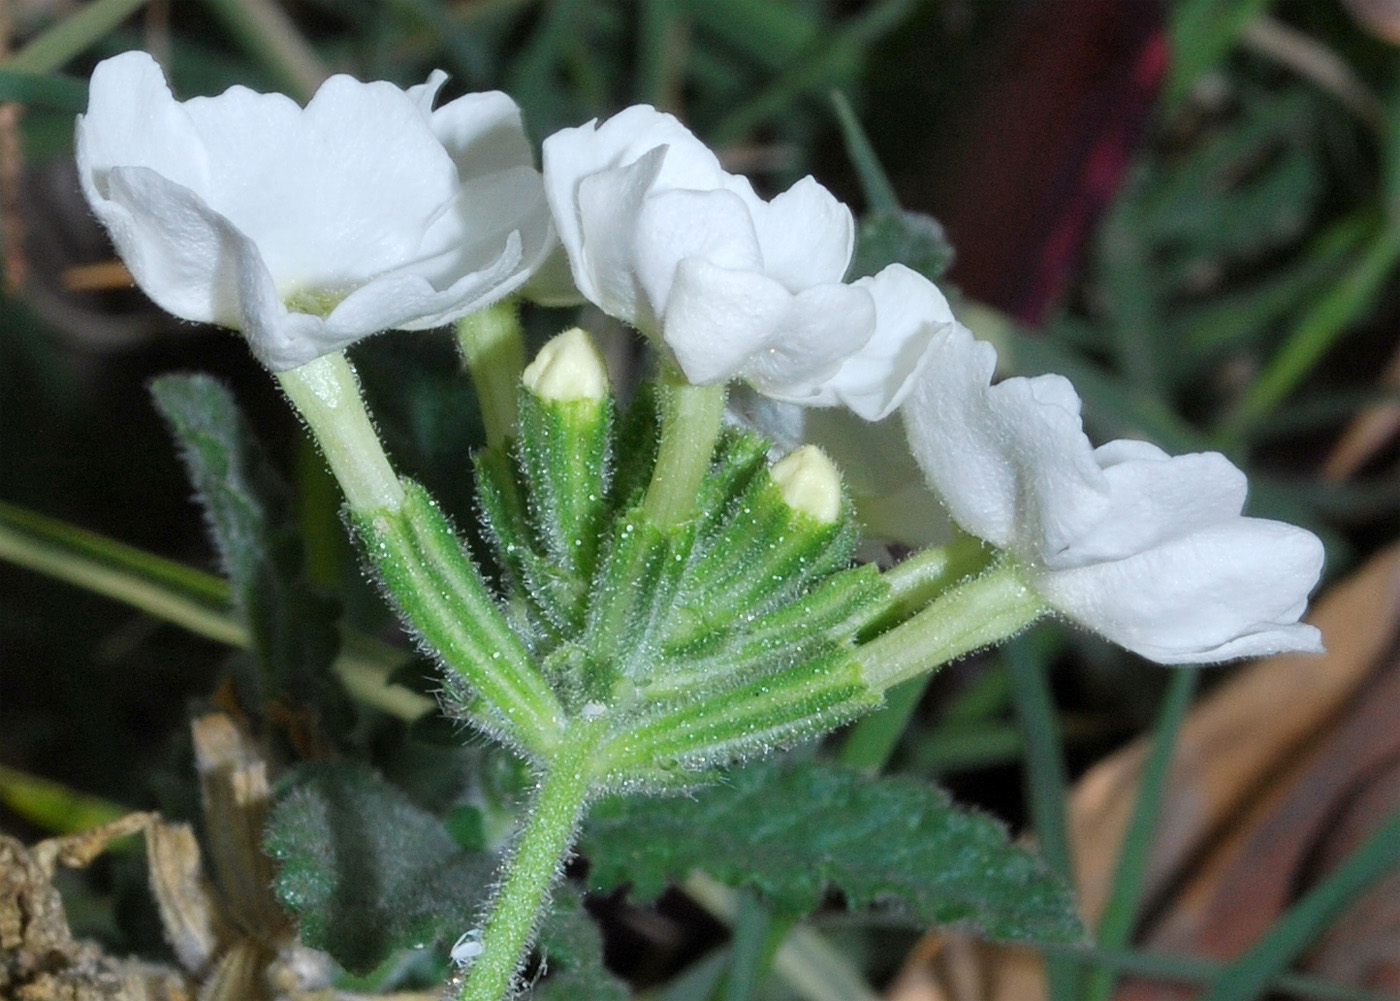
(660, 236)
(308, 229)
(1148, 549)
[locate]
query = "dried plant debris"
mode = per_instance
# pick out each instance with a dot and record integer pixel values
(232, 941)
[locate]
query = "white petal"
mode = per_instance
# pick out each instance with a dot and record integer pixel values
(1011, 461)
(806, 234)
(470, 233)
(604, 254)
(1154, 498)
(482, 133)
(177, 249)
(133, 121)
(671, 226)
(1062, 492)
(1232, 589)
(716, 317)
(909, 311)
(312, 187)
(956, 437)
(571, 155)
(825, 324)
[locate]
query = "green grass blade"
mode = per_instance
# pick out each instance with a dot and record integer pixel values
(53, 807)
(49, 90)
(843, 44)
(874, 182)
(162, 588)
(1278, 947)
(1196, 971)
(183, 596)
(1317, 331)
(1047, 785)
(72, 36)
(1120, 913)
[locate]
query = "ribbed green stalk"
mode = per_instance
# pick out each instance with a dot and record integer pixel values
(443, 598)
(972, 615)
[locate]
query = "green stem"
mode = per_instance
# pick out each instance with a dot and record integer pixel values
(327, 395)
(534, 866)
(1120, 913)
(964, 618)
(493, 348)
(690, 426)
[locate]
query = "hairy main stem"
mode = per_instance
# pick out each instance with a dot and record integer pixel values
(534, 866)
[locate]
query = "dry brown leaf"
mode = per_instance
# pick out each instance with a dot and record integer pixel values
(39, 958)
(1237, 738)
(1320, 809)
(233, 778)
(948, 965)
(1380, 17)
(1368, 433)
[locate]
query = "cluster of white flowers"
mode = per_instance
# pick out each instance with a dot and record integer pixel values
(308, 229)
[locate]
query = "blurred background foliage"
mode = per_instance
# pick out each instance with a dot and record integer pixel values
(1189, 208)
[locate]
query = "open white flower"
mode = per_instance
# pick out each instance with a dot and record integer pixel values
(735, 287)
(1148, 549)
(309, 228)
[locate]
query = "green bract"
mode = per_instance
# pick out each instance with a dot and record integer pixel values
(680, 647)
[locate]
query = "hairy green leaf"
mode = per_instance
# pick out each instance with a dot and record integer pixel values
(571, 956)
(366, 872)
(895, 236)
(249, 509)
(795, 830)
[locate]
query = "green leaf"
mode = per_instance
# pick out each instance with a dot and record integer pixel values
(571, 952)
(250, 514)
(793, 831)
(364, 871)
(895, 236)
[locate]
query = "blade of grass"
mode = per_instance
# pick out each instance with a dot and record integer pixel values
(806, 961)
(266, 33)
(1196, 971)
(72, 36)
(49, 90)
(874, 182)
(1047, 786)
(53, 807)
(1285, 941)
(1120, 913)
(1316, 332)
(870, 742)
(183, 596)
(843, 44)
(1202, 34)
(662, 41)
(162, 588)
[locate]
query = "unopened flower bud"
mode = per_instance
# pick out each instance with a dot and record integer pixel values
(810, 483)
(568, 368)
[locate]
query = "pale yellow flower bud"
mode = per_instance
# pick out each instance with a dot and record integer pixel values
(810, 483)
(568, 368)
